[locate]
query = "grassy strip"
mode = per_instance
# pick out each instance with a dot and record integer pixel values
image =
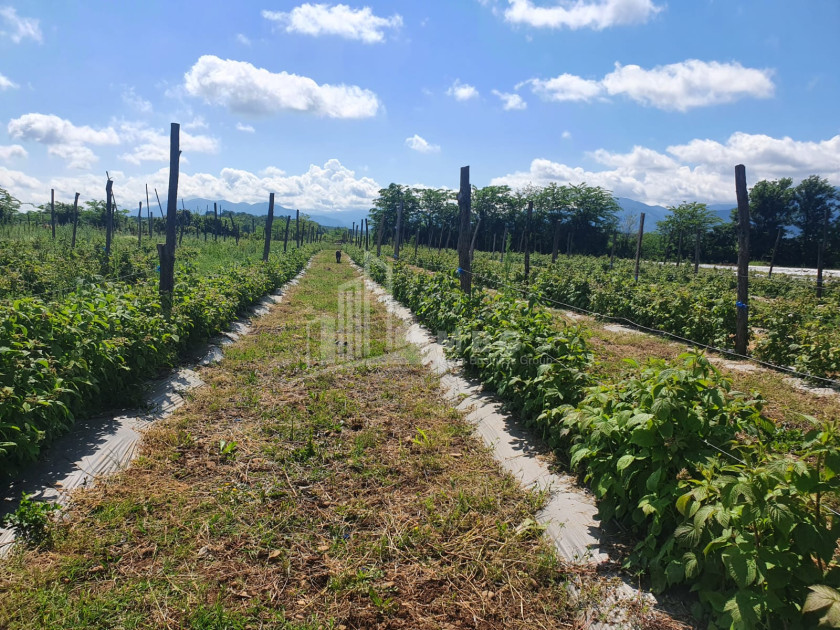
(60, 359)
(333, 492)
(689, 465)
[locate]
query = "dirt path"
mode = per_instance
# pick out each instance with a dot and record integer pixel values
(318, 480)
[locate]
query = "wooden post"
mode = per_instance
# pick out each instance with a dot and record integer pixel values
(465, 205)
(268, 225)
(639, 245)
(504, 245)
(297, 228)
(742, 331)
(52, 211)
(160, 207)
(821, 253)
(555, 246)
(612, 248)
(286, 238)
(398, 231)
(379, 231)
(215, 222)
(109, 223)
(140, 225)
(775, 249)
(472, 241)
(679, 248)
(697, 252)
(569, 244)
(75, 220)
(493, 251)
(166, 251)
(528, 215)
(367, 235)
(149, 212)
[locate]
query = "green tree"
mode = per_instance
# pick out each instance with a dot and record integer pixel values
(813, 196)
(684, 222)
(771, 210)
(9, 206)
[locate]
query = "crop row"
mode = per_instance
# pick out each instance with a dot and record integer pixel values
(790, 327)
(60, 359)
(683, 462)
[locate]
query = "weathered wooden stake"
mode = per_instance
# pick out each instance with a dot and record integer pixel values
(472, 241)
(821, 253)
(75, 221)
(639, 245)
(367, 235)
(697, 252)
(297, 228)
(149, 212)
(612, 248)
(742, 331)
(465, 205)
(52, 211)
(215, 222)
(286, 238)
(416, 243)
(773, 255)
(379, 231)
(398, 231)
(109, 222)
(528, 214)
(160, 207)
(268, 225)
(504, 244)
(140, 225)
(166, 252)
(555, 245)
(493, 252)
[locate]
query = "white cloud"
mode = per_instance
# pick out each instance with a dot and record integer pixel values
(592, 14)
(691, 83)
(566, 87)
(242, 39)
(677, 86)
(701, 170)
(135, 101)
(462, 91)
(6, 83)
(566, 135)
(245, 128)
(510, 101)
(341, 20)
(330, 187)
(152, 145)
(246, 89)
(50, 129)
(76, 155)
(416, 143)
(20, 27)
(197, 122)
(9, 152)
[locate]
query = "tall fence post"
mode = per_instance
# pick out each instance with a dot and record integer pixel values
(215, 222)
(697, 252)
(504, 244)
(367, 236)
(821, 253)
(297, 228)
(555, 244)
(742, 331)
(528, 215)
(464, 205)
(286, 238)
(269, 222)
(639, 246)
(773, 256)
(75, 221)
(140, 225)
(474, 234)
(109, 223)
(398, 231)
(149, 212)
(166, 251)
(52, 211)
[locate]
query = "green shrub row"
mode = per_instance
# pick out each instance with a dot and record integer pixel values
(687, 465)
(65, 358)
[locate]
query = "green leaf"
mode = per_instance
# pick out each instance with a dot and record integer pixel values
(644, 437)
(740, 567)
(652, 483)
(690, 564)
(624, 462)
(824, 597)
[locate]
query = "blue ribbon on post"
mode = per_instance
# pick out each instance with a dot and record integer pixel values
(740, 304)
(459, 271)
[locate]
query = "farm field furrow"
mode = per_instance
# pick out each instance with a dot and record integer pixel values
(304, 490)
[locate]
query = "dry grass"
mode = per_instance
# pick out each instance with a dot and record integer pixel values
(335, 492)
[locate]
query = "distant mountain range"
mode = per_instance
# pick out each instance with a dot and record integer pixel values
(345, 218)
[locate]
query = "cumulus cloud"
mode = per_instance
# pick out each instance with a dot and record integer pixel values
(76, 155)
(245, 128)
(416, 143)
(510, 101)
(152, 145)
(243, 39)
(330, 187)
(462, 91)
(246, 89)
(340, 20)
(592, 14)
(677, 86)
(135, 101)
(50, 129)
(9, 152)
(701, 169)
(18, 28)
(6, 83)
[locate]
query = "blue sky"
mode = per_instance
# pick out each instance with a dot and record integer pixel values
(324, 104)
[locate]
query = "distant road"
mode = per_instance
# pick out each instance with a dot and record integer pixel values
(788, 271)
